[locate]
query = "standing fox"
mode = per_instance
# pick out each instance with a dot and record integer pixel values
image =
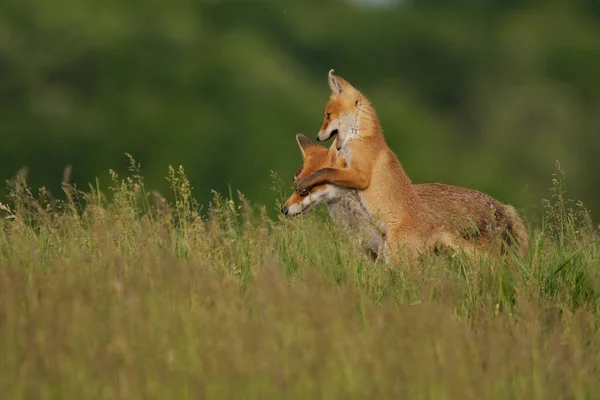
(418, 217)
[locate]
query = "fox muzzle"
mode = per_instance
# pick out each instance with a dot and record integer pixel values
(324, 136)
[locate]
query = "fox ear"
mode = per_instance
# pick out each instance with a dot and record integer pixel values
(304, 143)
(336, 83)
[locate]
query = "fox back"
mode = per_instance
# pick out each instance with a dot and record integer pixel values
(471, 215)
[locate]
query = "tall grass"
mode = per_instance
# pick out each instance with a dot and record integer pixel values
(124, 294)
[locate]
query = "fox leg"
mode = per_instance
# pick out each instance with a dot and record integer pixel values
(460, 244)
(353, 178)
(400, 247)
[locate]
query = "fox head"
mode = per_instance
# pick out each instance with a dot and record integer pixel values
(341, 112)
(314, 157)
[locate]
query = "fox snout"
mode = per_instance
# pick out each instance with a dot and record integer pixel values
(324, 136)
(293, 210)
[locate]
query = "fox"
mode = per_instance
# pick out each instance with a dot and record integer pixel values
(413, 219)
(343, 204)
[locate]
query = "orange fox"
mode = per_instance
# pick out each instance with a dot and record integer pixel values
(343, 204)
(419, 218)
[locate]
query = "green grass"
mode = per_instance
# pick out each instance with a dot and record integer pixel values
(135, 297)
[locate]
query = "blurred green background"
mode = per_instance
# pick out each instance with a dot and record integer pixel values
(485, 94)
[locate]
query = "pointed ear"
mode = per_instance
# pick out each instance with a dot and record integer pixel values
(304, 143)
(335, 83)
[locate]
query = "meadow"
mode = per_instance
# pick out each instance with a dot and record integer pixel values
(121, 293)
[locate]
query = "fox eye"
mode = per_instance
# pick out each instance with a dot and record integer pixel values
(328, 115)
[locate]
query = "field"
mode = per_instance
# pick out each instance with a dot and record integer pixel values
(125, 295)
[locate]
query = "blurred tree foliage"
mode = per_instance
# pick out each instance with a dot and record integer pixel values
(485, 94)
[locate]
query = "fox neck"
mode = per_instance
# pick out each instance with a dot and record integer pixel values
(361, 124)
(368, 123)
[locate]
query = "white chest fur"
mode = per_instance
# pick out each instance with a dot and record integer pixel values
(347, 132)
